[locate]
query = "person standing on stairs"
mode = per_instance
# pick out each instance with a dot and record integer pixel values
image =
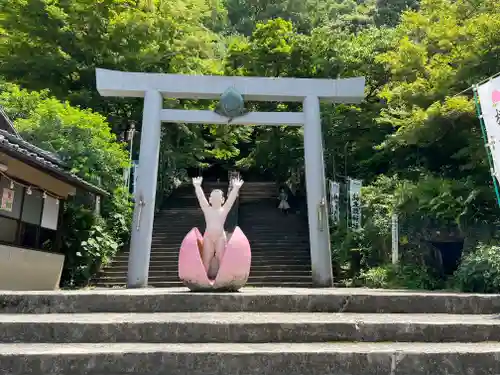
(215, 212)
(283, 198)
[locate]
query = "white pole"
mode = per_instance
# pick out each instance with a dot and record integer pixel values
(395, 239)
(317, 208)
(142, 228)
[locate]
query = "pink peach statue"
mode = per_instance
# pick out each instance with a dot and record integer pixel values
(211, 262)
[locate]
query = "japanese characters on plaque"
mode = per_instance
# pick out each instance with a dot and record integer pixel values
(355, 203)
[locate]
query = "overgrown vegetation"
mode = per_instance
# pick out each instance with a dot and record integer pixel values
(415, 141)
(83, 139)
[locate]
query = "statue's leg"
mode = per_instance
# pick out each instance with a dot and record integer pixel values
(208, 252)
(220, 247)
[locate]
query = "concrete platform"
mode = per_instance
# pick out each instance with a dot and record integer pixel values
(252, 359)
(249, 300)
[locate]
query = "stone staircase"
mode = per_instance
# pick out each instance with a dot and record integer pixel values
(254, 332)
(171, 224)
(279, 243)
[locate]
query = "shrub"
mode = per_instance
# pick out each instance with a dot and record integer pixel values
(90, 242)
(417, 276)
(85, 142)
(379, 277)
(400, 276)
(479, 271)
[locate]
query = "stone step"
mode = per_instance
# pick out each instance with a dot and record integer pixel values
(276, 279)
(258, 253)
(256, 270)
(258, 189)
(276, 228)
(269, 198)
(168, 223)
(281, 249)
(262, 256)
(252, 359)
(121, 279)
(246, 328)
(123, 285)
(266, 241)
(259, 280)
(171, 265)
(123, 267)
(174, 243)
(248, 299)
(268, 228)
(178, 283)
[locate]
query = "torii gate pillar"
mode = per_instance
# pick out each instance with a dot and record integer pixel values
(153, 87)
(142, 227)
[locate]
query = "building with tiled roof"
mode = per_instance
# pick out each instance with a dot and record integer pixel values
(33, 183)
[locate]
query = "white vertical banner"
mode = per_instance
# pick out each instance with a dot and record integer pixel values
(334, 201)
(395, 239)
(355, 203)
(489, 99)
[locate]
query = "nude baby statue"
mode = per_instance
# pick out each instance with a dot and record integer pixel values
(215, 212)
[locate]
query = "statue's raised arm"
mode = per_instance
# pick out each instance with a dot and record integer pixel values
(236, 183)
(199, 193)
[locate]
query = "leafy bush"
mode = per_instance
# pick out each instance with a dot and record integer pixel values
(419, 276)
(84, 140)
(479, 271)
(424, 207)
(118, 211)
(404, 276)
(378, 277)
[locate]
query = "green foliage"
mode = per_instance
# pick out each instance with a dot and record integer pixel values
(388, 12)
(423, 207)
(81, 138)
(88, 244)
(58, 45)
(479, 271)
(345, 15)
(414, 277)
(379, 277)
(405, 276)
(118, 213)
(84, 141)
(91, 241)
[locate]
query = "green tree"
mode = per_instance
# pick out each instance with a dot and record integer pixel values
(84, 141)
(82, 138)
(388, 12)
(273, 50)
(244, 15)
(441, 50)
(58, 45)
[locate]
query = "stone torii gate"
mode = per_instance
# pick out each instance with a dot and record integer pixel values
(154, 87)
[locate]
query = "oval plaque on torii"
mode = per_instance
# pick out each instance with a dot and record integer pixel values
(231, 104)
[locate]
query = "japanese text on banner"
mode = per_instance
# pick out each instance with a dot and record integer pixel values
(355, 203)
(334, 201)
